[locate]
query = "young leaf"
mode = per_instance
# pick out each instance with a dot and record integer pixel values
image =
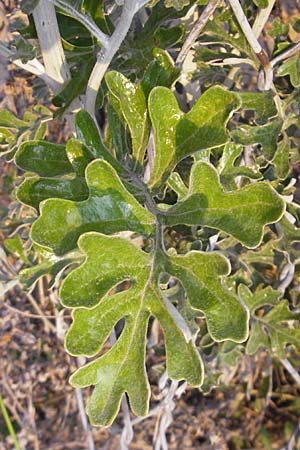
(132, 105)
(266, 136)
(110, 208)
(178, 135)
(87, 133)
(291, 67)
(270, 330)
(227, 169)
(242, 213)
(111, 260)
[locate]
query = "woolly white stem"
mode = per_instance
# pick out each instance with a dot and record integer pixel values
(49, 39)
(85, 20)
(130, 8)
(262, 18)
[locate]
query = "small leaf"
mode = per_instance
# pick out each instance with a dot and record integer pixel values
(262, 103)
(179, 135)
(132, 104)
(229, 171)
(242, 213)
(110, 208)
(87, 132)
(160, 72)
(271, 329)
(291, 67)
(266, 136)
(44, 158)
(15, 246)
(7, 119)
(281, 159)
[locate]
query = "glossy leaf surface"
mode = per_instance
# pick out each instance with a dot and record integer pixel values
(132, 105)
(242, 213)
(109, 209)
(178, 135)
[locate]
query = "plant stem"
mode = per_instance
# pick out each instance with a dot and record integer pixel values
(287, 54)
(84, 19)
(253, 42)
(262, 18)
(105, 56)
(50, 42)
(196, 30)
(9, 424)
(291, 370)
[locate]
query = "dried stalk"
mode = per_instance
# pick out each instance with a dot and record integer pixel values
(196, 30)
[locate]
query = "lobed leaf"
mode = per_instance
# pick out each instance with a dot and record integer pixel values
(178, 135)
(270, 330)
(110, 208)
(242, 213)
(91, 290)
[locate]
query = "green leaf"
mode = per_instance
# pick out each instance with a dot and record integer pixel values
(111, 260)
(34, 190)
(261, 3)
(199, 273)
(109, 209)
(291, 67)
(87, 132)
(271, 329)
(262, 103)
(7, 119)
(178, 135)
(160, 72)
(132, 104)
(281, 159)
(15, 246)
(242, 213)
(29, 276)
(74, 87)
(177, 4)
(266, 136)
(229, 171)
(44, 158)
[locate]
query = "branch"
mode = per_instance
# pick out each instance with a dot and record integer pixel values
(287, 54)
(196, 30)
(33, 66)
(49, 38)
(262, 18)
(130, 8)
(85, 20)
(253, 42)
(291, 370)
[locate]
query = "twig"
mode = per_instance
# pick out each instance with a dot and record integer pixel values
(196, 30)
(284, 55)
(84, 19)
(48, 325)
(84, 421)
(291, 370)
(33, 66)
(262, 18)
(130, 8)
(253, 42)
